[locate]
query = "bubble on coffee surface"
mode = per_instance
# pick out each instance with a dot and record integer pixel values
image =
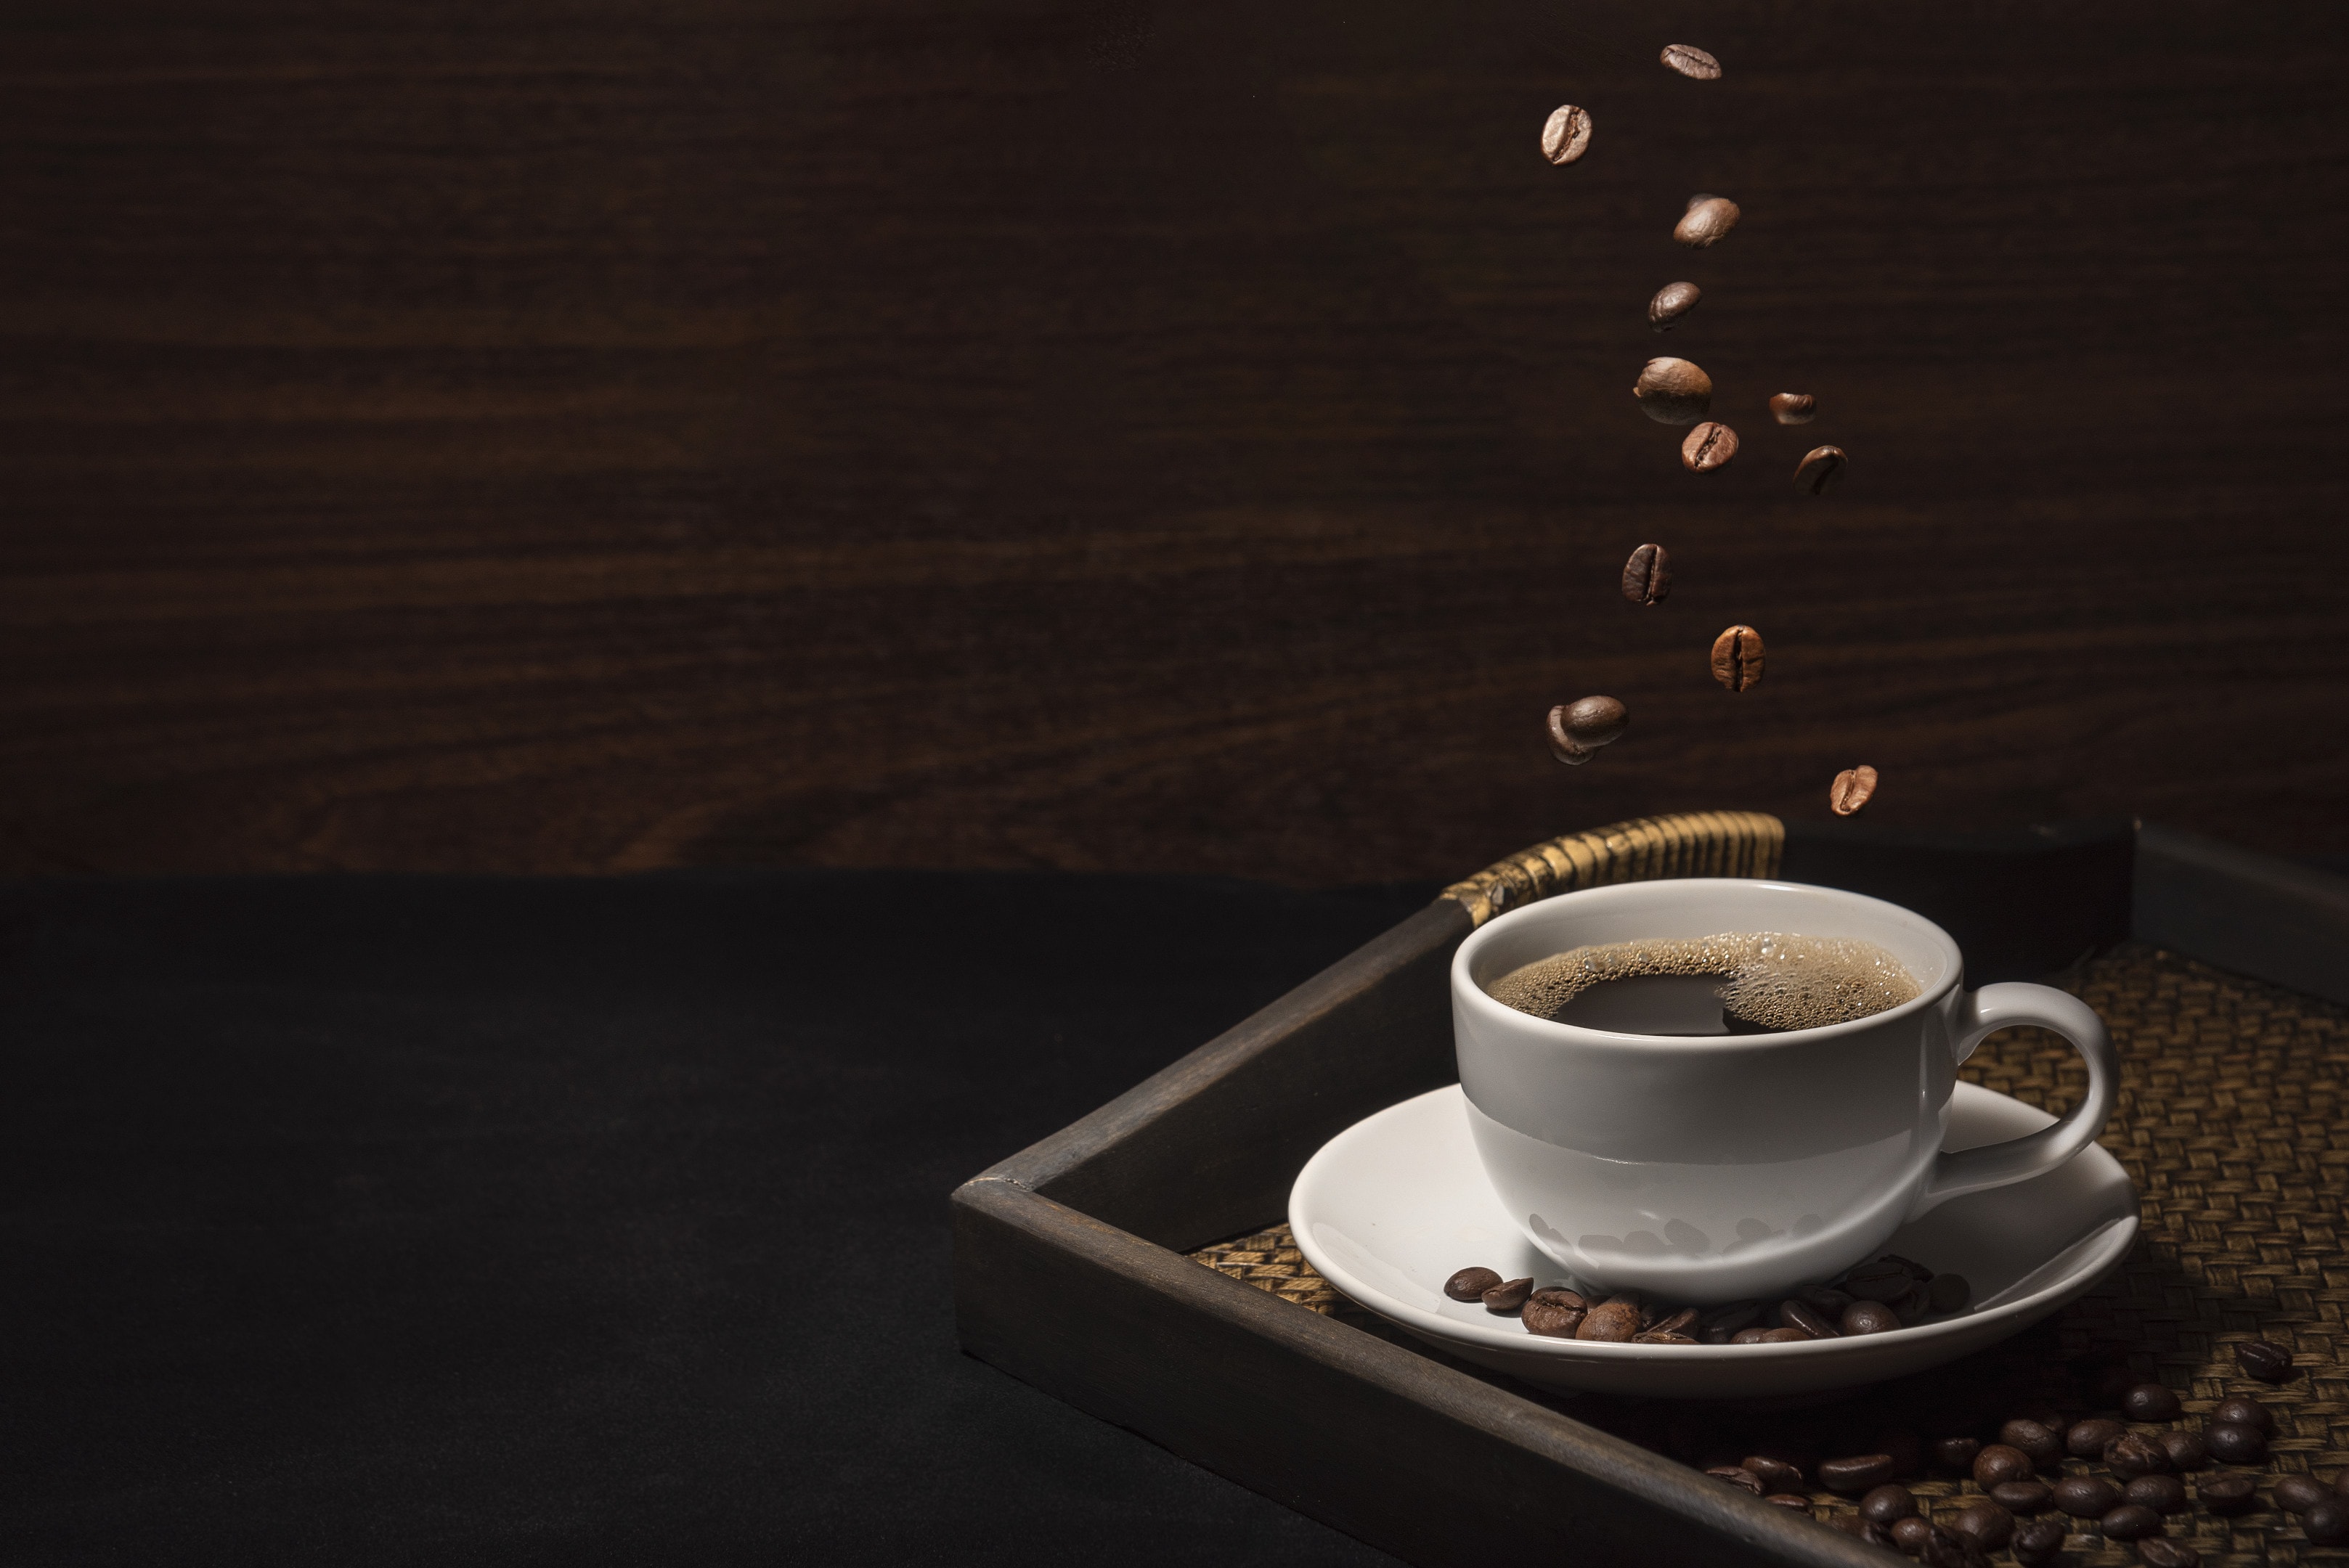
(1768, 978)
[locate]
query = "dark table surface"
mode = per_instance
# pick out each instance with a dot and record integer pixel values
(434, 1220)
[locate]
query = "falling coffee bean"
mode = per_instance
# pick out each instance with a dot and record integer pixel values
(1986, 1523)
(2022, 1496)
(1737, 1476)
(1673, 391)
(2036, 1544)
(1613, 1321)
(2045, 1448)
(2149, 1402)
(2233, 1492)
(1553, 1313)
(2235, 1445)
(1577, 729)
(1856, 1473)
(1470, 1284)
(2130, 1522)
(2161, 1551)
(2133, 1456)
(2244, 1412)
(2086, 1496)
(1820, 467)
(2185, 1449)
(1853, 787)
(1673, 301)
(1737, 660)
(1706, 224)
(1692, 61)
(2086, 1439)
(1998, 1464)
(2268, 1362)
(2327, 1524)
(1647, 575)
(1800, 1315)
(1565, 135)
(1509, 1296)
(2161, 1493)
(1888, 1502)
(1793, 407)
(1870, 1317)
(1954, 1453)
(1707, 447)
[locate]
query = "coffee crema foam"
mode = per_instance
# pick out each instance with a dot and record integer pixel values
(1768, 978)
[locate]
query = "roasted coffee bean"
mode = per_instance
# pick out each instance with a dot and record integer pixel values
(1786, 1336)
(1680, 1322)
(2023, 1496)
(1737, 1476)
(1948, 1292)
(1707, 447)
(1908, 1534)
(2235, 1445)
(1470, 1284)
(2244, 1412)
(2086, 1439)
(1753, 1335)
(1793, 1500)
(1673, 391)
(1613, 1321)
(1565, 135)
(2130, 1522)
(1554, 1313)
(2233, 1492)
(2328, 1524)
(1909, 1266)
(1824, 1299)
(1879, 1282)
(1799, 1315)
(1509, 1296)
(1990, 1525)
(1998, 1463)
(1856, 1473)
(1793, 407)
(1733, 1316)
(2045, 1448)
(1651, 1336)
(2299, 1493)
(1647, 579)
(2047, 1416)
(2036, 1544)
(1777, 1474)
(1707, 223)
(1577, 729)
(2268, 1362)
(1692, 61)
(1850, 791)
(2186, 1449)
(1820, 467)
(2132, 1456)
(1673, 301)
(1866, 1529)
(2149, 1402)
(1737, 659)
(1869, 1317)
(2086, 1496)
(1948, 1549)
(2161, 1551)
(1887, 1503)
(1955, 1454)
(2161, 1493)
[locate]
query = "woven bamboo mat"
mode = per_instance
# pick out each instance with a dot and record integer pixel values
(2231, 1124)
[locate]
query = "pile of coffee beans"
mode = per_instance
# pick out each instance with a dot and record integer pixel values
(1874, 1298)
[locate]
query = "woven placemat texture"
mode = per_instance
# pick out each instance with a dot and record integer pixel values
(2231, 1124)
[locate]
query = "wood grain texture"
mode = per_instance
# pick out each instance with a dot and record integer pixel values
(582, 436)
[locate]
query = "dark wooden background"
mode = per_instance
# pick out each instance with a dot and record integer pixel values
(549, 437)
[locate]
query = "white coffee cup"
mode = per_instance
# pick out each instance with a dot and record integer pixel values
(1713, 1167)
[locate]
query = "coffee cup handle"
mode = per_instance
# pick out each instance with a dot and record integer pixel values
(2019, 1159)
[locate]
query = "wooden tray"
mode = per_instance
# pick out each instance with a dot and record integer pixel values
(1069, 1258)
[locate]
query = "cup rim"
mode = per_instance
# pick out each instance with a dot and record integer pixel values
(1476, 998)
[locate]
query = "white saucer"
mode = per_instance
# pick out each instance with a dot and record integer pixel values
(1397, 1204)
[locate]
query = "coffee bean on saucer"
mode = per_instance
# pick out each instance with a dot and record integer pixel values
(1738, 657)
(2268, 1362)
(1470, 1284)
(1883, 1280)
(2244, 1412)
(1647, 575)
(2086, 1439)
(1692, 62)
(2161, 1551)
(1577, 729)
(1707, 223)
(1784, 1337)
(1650, 1337)
(1955, 1454)
(1679, 1321)
(1743, 1479)
(1800, 1315)
(1777, 1474)
(2022, 1496)
(2086, 1496)
(1731, 1315)
(2161, 1493)
(2186, 1449)
(1613, 1321)
(2036, 1544)
(1856, 1473)
(1820, 467)
(1509, 1296)
(1851, 789)
(2233, 1492)
(2236, 1445)
(1673, 301)
(1823, 1299)
(1947, 1292)
(1707, 447)
(1673, 391)
(2299, 1493)
(1553, 1313)
(2328, 1524)
(2149, 1402)
(1753, 1335)
(2045, 1448)
(2130, 1522)
(2132, 1456)
(1793, 407)
(1998, 1463)
(1565, 135)
(1869, 1317)
(1989, 1526)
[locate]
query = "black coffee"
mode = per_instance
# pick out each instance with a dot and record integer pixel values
(1741, 982)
